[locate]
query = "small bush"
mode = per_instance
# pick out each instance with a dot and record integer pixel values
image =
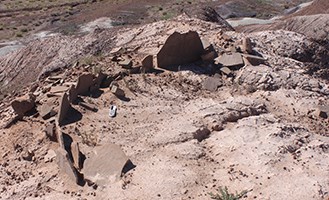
(223, 194)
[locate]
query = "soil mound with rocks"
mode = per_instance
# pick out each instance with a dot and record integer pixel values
(237, 109)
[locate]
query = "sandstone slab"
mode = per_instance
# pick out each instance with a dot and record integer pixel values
(64, 107)
(180, 49)
(104, 164)
(230, 60)
(85, 81)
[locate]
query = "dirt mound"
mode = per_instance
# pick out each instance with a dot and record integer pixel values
(246, 125)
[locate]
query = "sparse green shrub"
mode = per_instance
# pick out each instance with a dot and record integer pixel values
(223, 194)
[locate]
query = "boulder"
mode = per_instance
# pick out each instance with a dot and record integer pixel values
(179, 49)
(104, 164)
(73, 94)
(64, 107)
(85, 81)
(230, 60)
(22, 105)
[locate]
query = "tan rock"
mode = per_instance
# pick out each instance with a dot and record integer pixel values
(126, 63)
(253, 60)
(230, 60)
(104, 164)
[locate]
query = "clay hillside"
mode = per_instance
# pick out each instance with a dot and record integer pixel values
(173, 100)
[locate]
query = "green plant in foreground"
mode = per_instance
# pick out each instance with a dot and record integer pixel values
(223, 194)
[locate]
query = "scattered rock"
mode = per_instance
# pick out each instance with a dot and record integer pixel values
(226, 71)
(253, 60)
(85, 81)
(117, 91)
(180, 49)
(104, 164)
(22, 105)
(49, 157)
(323, 111)
(246, 45)
(59, 89)
(88, 106)
(28, 155)
(46, 111)
(201, 134)
(230, 60)
(126, 63)
(212, 83)
(64, 107)
(50, 130)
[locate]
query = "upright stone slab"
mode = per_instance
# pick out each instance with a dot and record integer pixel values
(65, 165)
(85, 81)
(147, 63)
(75, 150)
(64, 107)
(180, 49)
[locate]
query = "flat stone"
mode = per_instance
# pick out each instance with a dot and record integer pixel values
(230, 60)
(104, 164)
(126, 63)
(179, 49)
(22, 105)
(253, 60)
(64, 107)
(58, 89)
(47, 111)
(65, 165)
(117, 91)
(147, 63)
(212, 84)
(88, 106)
(85, 81)
(226, 71)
